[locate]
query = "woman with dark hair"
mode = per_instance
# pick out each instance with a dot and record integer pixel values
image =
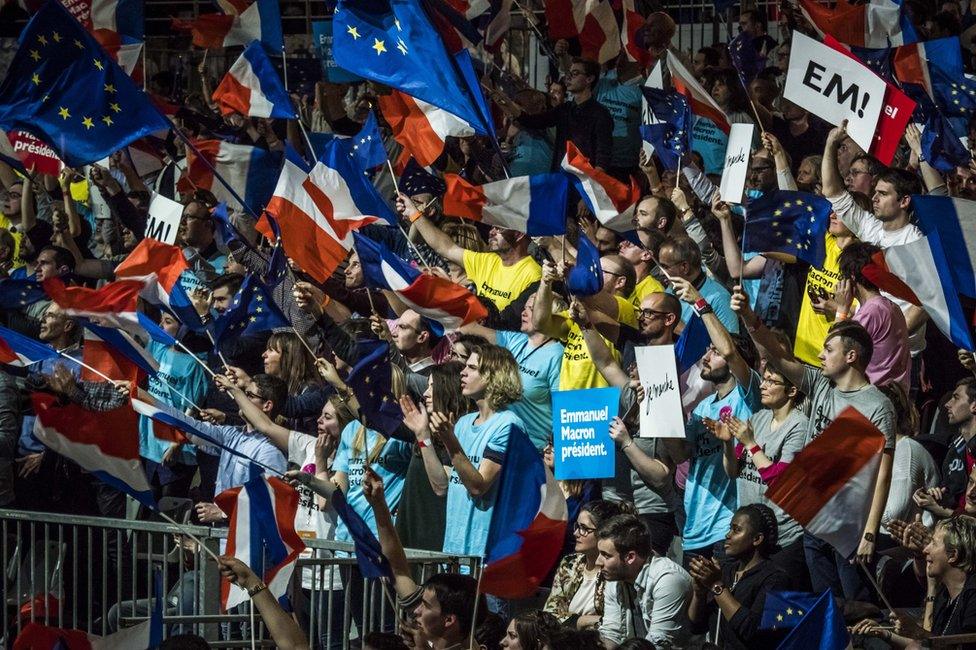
(576, 598)
(738, 588)
(725, 88)
(529, 630)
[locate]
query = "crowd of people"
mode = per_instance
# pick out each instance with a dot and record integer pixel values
(681, 547)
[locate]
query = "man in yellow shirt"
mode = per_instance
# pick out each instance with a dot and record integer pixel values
(642, 261)
(609, 311)
(506, 274)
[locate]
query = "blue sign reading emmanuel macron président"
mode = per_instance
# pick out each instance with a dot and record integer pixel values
(582, 447)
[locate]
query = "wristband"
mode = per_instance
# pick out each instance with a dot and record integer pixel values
(624, 448)
(416, 215)
(702, 307)
(423, 442)
(325, 301)
(869, 537)
(755, 449)
(752, 329)
(256, 589)
(930, 599)
(841, 315)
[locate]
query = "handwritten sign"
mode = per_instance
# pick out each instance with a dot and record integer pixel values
(736, 163)
(835, 87)
(660, 412)
(164, 219)
(582, 446)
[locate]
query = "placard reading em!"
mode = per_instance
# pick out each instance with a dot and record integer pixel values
(582, 447)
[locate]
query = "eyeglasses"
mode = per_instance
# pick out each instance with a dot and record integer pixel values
(772, 382)
(619, 275)
(651, 313)
(253, 395)
(583, 530)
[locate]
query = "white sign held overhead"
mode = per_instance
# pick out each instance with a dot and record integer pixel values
(164, 219)
(736, 163)
(835, 88)
(660, 412)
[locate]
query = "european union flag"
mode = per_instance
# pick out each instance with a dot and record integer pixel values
(669, 136)
(367, 145)
(586, 276)
(941, 146)
(278, 263)
(371, 380)
(745, 59)
(784, 609)
(251, 311)
(394, 43)
(369, 555)
(822, 628)
(18, 294)
(65, 89)
(790, 223)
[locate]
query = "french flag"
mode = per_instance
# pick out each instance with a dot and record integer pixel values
(261, 534)
(633, 21)
(875, 24)
(105, 443)
(591, 21)
(114, 354)
(954, 220)
(21, 351)
(920, 273)
(259, 21)
(316, 225)
(251, 87)
(436, 298)
(535, 205)
(528, 524)
(911, 63)
(611, 201)
(250, 171)
(829, 486)
(160, 266)
(146, 405)
(421, 128)
(114, 303)
(699, 99)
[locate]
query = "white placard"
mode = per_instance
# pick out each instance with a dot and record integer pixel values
(834, 87)
(736, 163)
(660, 412)
(164, 219)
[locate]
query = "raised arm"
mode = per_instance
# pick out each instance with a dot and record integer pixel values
(930, 175)
(277, 434)
(784, 175)
(833, 184)
(543, 320)
(731, 249)
(436, 238)
(765, 341)
(284, 630)
(599, 350)
(416, 418)
(654, 472)
(403, 581)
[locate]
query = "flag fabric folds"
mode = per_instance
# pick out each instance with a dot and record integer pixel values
(369, 556)
(62, 87)
(630, 34)
(114, 303)
(528, 523)
(829, 485)
(371, 381)
(699, 99)
(251, 311)
(586, 276)
(252, 88)
(250, 171)
(535, 205)
(671, 131)
(420, 127)
(784, 609)
(430, 296)
(160, 266)
(592, 22)
(692, 344)
(348, 176)
(611, 201)
(19, 294)
(876, 23)
(261, 534)
(789, 223)
(393, 42)
(822, 627)
(955, 222)
(261, 20)
(104, 443)
(19, 350)
(745, 58)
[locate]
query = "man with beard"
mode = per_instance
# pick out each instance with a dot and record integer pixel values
(506, 275)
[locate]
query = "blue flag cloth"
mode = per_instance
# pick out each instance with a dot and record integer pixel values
(65, 89)
(251, 311)
(18, 294)
(670, 135)
(745, 59)
(278, 262)
(586, 276)
(692, 344)
(369, 556)
(225, 232)
(789, 223)
(155, 332)
(822, 628)
(367, 145)
(941, 146)
(784, 609)
(394, 43)
(22, 350)
(361, 189)
(371, 380)
(183, 310)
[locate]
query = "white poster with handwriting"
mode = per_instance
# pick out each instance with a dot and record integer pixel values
(661, 415)
(736, 163)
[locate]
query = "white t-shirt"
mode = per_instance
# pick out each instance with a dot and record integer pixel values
(584, 600)
(310, 522)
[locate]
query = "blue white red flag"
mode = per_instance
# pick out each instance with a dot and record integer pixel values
(876, 23)
(261, 20)
(611, 201)
(108, 343)
(19, 350)
(115, 303)
(105, 443)
(250, 172)
(252, 88)
(699, 99)
(528, 523)
(352, 177)
(430, 296)
(420, 127)
(955, 222)
(535, 205)
(261, 534)
(160, 266)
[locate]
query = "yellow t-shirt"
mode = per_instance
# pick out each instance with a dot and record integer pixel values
(811, 327)
(644, 288)
(577, 369)
(502, 284)
(6, 223)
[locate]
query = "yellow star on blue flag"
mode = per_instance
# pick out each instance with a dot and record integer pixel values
(792, 224)
(84, 120)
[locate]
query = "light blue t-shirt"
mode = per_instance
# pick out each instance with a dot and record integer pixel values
(710, 495)
(180, 371)
(719, 298)
(711, 142)
(469, 518)
(390, 465)
(623, 100)
(531, 154)
(539, 369)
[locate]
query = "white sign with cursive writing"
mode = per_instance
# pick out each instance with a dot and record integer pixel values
(736, 163)
(660, 412)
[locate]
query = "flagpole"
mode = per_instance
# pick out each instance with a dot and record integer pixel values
(474, 614)
(877, 588)
(298, 116)
(253, 639)
(413, 247)
(197, 359)
(217, 350)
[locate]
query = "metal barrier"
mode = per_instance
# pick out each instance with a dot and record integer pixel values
(96, 575)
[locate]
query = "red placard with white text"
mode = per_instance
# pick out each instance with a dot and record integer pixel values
(34, 153)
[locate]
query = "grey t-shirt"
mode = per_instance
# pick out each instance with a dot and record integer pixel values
(626, 484)
(826, 402)
(779, 445)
